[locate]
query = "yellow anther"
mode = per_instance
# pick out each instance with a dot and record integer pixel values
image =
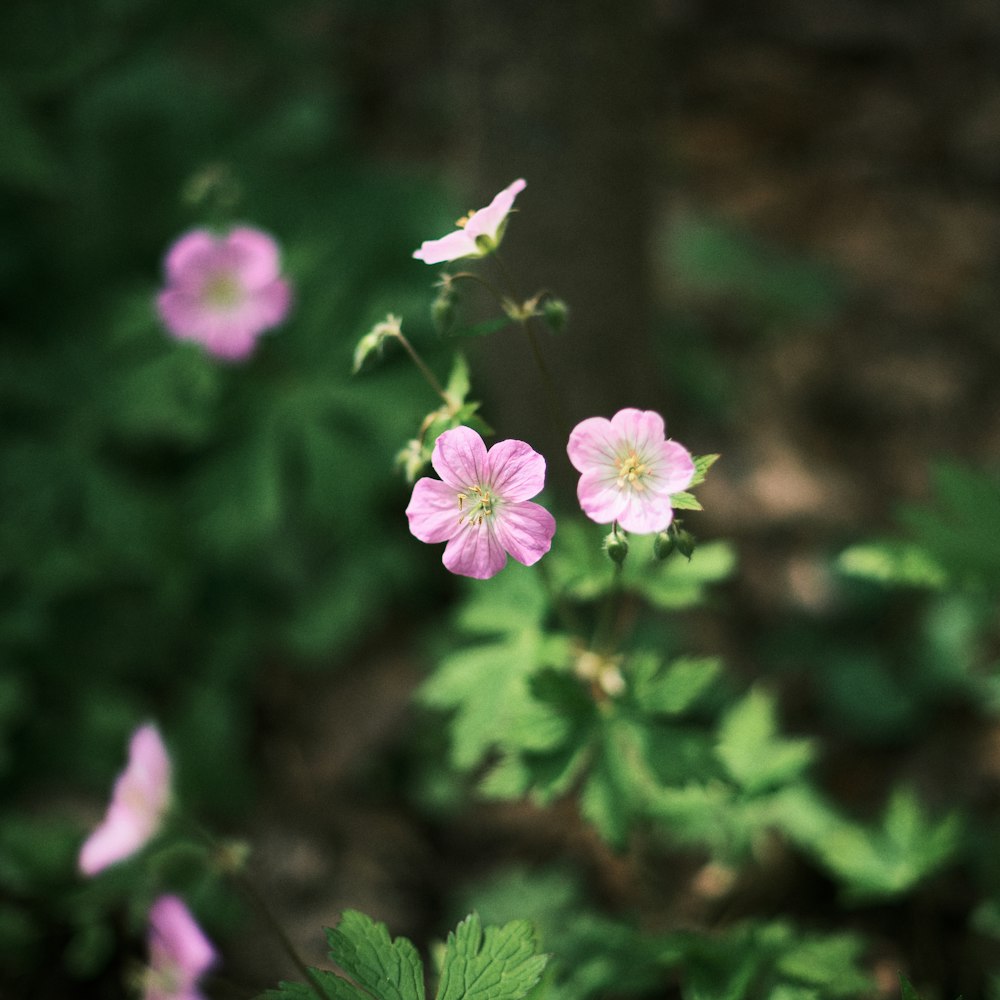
(464, 221)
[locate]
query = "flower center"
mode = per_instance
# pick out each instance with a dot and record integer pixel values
(464, 221)
(476, 505)
(222, 290)
(630, 472)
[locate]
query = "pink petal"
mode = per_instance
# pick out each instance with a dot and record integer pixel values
(433, 511)
(600, 496)
(181, 312)
(179, 951)
(475, 551)
(255, 256)
(138, 802)
(672, 469)
(188, 255)
(516, 470)
(638, 430)
(459, 458)
(644, 512)
(525, 530)
(487, 220)
(593, 443)
(450, 247)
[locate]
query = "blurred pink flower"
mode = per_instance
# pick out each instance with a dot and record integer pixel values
(479, 233)
(138, 803)
(223, 292)
(179, 952)
(481, 504)
(628, 469)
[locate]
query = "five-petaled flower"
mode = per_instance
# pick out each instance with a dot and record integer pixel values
(481, 506)
(478, 233)
(179, 952)
(139, 802)
(628, 469)
(223, 292)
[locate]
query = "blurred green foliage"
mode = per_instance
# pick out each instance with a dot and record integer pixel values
(170, 524)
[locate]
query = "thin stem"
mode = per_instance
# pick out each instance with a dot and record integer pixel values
(470, 276)
(604, 634)
(428, 375)
(279, 932)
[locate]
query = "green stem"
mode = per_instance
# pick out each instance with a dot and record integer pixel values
(428, 375)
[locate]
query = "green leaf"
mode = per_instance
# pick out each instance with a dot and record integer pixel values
(333, 986)
(685, 501)
(487, 686)
(702, 463)
(458, 382)
(501, 964)
(906, 989)
(673, 689)
(888, 861)
(894, 563)
(387, 969)
(756, 757)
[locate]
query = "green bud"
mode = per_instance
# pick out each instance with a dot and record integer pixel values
(663, 544)
(443, 309)
(411, 459)
(616, 546)
(555, 312)
(685, 542)
(373, 341)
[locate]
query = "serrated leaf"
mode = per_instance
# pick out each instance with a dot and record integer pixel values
(755, 756)
(685, 501)
(895, 563)
(334, 987)
(487, 686)
(501, 963)
(702, 463)
(387, 969)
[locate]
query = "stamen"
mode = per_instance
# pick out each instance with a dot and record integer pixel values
(464, 221)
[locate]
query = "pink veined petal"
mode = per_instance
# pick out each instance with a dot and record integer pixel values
(515, 470)
(188, 255)
(644, 512)
(593, 443)
(450, 247)
(487, 220)
(255, 256)
(672, 468)
(638, 430)
(525, 530)
(600, 496)
(433, 511)
(459, 458)
(179, 951)
(475, 551)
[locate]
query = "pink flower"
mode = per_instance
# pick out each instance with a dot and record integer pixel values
(223, 292)
(481, 505)
(479, 233)
(179, 952)
(138, 803)
(628, 469)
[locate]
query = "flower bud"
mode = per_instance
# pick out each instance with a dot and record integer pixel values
(616, 546)
(685, 542)
(373, 341)
(443, 309)
(663, 544)
(555, 312)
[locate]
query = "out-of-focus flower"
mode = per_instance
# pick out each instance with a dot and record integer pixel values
(479, 233)
(481, 505)
(629, 470)
(223, 291)
(179, 952)
(139, 801)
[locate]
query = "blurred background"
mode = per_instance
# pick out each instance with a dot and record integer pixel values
(777, 223)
